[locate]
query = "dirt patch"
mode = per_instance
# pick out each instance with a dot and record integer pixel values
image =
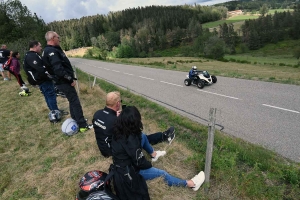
(77, 52)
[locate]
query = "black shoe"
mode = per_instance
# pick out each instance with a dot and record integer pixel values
(169, 135)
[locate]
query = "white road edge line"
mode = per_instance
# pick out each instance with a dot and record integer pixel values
(128, 74)
(281, 108)
(171, 83)
(219, 94)
(146, 78)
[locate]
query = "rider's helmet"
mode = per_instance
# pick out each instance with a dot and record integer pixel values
(54, 116)
(194, 68)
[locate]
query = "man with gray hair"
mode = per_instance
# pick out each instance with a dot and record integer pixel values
(55, 58)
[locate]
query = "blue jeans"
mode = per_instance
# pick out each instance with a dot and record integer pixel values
(146, 145)
(153, 138)
(48, 91)
(153, 172)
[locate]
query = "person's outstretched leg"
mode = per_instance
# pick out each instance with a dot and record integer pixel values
(194, 183)
(149, 149)
(158, 137)
(153, 172)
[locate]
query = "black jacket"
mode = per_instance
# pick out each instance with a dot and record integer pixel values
(103, 123)
(128, 159)
(4, 54)
(56, 59)
(34, 68)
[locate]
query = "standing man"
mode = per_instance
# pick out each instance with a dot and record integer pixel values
(38, 74)
(4, 55)
(55, 59)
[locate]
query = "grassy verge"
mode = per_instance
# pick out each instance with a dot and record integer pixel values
(39, 162)
(255, 69)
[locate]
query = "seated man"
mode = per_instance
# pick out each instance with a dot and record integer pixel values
(193, 74)
(103, 123)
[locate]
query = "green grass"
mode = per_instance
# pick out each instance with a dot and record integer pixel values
(279, 54)
(272, 11)
(39, 162)
(235, 19)
(238, 20)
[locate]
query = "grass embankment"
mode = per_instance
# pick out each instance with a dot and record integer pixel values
(38, 162)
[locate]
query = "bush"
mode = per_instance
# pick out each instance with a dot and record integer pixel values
(143, 54)
(214, 48)
(223, 60)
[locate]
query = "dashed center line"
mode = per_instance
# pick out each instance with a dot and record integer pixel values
(146, 78)
(219, 94)
(171, 83)
(128, 74)
(115, 71)
(106, 69)
(294, 111)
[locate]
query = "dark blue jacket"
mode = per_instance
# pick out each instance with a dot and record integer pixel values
(192, 73)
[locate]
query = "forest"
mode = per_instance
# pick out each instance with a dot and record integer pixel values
(141, 31)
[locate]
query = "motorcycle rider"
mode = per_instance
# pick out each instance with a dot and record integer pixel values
(193, 74)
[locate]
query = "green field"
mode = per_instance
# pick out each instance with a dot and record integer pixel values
(238, 20)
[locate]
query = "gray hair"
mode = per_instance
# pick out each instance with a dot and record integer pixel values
(49, 35)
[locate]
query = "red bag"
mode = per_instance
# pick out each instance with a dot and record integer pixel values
(6, 65)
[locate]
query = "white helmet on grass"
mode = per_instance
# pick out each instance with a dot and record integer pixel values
(70, 127)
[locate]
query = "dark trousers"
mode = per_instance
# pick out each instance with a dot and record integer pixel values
(155, 138)
(18, 77)
(74, 103)
(48, 91)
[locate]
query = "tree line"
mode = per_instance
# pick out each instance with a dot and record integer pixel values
(18, 26)
(254, 6)
(271, 29)
(141, 31)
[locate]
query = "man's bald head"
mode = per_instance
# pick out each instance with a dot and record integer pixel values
(112, 99)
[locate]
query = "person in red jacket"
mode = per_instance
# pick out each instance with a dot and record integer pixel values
(15, 68)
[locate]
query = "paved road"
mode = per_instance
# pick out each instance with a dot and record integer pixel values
(259, 112)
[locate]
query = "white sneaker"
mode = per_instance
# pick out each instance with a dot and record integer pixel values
(158, 154)
(198, 180)
(23, 87)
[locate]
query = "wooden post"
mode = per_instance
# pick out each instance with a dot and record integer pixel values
(210, 144)
(90, 85)
(94, 81)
